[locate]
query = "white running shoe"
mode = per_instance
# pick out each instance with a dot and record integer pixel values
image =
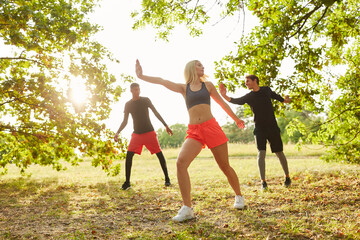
(239, 202)
(185, 213)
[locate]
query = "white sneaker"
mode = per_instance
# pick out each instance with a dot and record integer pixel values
(185, 213)
(239, 202)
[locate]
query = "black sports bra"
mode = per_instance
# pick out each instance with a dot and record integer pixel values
(199, 97)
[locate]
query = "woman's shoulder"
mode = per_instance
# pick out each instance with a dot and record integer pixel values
(183, 85)
(209, 84)
(210, 87)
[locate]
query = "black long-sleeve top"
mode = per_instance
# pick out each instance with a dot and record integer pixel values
(261, 105)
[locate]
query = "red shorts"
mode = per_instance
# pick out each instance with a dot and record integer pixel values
(148, 139)
(208, 133)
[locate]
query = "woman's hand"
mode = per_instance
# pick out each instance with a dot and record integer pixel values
(240, 123)
(138, 69)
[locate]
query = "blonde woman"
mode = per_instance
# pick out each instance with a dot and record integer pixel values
(203, 130)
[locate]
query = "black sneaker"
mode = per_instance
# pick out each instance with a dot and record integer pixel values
(167, 182)
(264, 186)
(287, 182)
(126, 186)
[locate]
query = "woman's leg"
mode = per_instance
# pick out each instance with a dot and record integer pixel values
(189, 150)
(221, 156)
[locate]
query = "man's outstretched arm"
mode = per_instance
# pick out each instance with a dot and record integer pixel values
(157, 114)
(240, 101)
(122, 126)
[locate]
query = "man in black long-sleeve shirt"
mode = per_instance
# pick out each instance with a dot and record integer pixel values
(143, 134)
(266, 128)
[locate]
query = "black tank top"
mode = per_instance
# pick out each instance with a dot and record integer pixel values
(199, 97)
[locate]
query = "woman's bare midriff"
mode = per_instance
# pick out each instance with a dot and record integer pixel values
(200, 113)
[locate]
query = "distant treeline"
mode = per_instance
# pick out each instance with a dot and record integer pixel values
(236, 135)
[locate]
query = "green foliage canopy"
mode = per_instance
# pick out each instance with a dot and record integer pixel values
(318, 39)
(50, 44)
(310, 120)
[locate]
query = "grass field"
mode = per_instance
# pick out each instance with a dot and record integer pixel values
(84, 203)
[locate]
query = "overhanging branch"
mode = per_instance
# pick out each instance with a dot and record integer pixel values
(355, 136)
(197, 2)
(335, 117)
(16, 99)
(322, 16)
(22, 58)
(304, 20)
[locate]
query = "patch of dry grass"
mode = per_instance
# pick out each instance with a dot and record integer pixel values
(83, 203)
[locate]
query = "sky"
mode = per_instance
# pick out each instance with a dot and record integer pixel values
(163, 59)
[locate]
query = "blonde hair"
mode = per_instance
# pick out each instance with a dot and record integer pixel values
(190, 73)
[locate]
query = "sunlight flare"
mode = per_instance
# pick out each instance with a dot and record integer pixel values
(78, 93)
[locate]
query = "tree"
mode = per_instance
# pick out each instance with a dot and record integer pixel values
(174, 141)
(293, 135)
(50, 43)
(318, 39)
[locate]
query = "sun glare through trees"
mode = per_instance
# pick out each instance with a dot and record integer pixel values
(78, 93)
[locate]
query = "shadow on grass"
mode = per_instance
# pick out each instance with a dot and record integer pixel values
(29, 208)
(317, 206)
(20, 190)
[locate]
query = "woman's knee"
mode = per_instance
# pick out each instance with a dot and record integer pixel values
(181, 163)
(225, 168)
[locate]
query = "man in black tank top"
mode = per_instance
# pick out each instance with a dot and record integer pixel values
(266, 128)
(143, 134)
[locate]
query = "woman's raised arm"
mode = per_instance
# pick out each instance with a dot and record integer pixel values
(176, 87)
(216, 96)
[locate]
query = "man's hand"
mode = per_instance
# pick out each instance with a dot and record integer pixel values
(222, 89)
(116, 138)
(169, 131)
(287, 99)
